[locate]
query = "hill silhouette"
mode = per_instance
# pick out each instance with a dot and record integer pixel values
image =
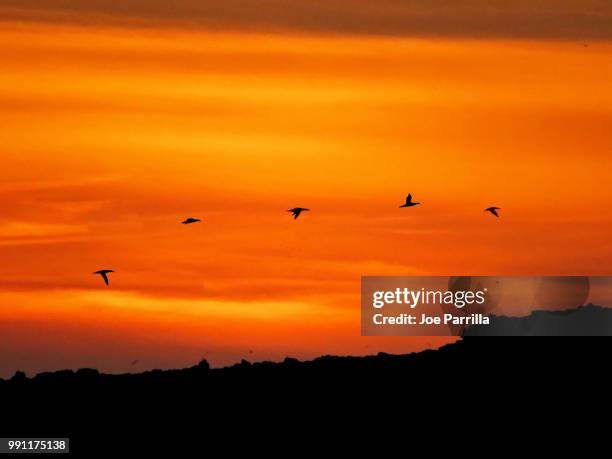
(589, 320)
(474, 374)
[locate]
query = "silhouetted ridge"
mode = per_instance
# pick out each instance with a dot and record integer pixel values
(589, 320)
(472, 374)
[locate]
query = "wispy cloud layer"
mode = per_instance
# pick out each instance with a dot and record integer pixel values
(560, 19)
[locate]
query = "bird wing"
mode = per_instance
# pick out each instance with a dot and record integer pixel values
(409, 198)
(105, 277)
(494, 211)
(296, 213)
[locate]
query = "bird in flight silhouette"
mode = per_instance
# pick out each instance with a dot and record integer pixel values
(296, 211)
(190, 220)
(493, 210)
(104, 273)
(409, 202)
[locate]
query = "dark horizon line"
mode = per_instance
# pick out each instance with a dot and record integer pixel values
(203, 364)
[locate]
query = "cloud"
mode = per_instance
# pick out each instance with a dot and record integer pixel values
(20, 231)
(553, 19)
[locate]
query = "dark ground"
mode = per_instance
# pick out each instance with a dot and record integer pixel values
(535, 380)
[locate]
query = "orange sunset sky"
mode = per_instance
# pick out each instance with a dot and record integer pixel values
(119, 121)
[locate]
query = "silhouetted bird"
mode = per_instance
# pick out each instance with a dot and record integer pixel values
(409, 202)
(135, 362)
(190, 220)
(296, 211)
(104, 274)
(493, 210)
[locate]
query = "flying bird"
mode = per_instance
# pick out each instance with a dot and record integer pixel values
(493, 210)
(104, 273)
(409, 202)
(190, 220)
(296, 211)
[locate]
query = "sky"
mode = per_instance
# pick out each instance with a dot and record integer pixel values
(120, 119)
